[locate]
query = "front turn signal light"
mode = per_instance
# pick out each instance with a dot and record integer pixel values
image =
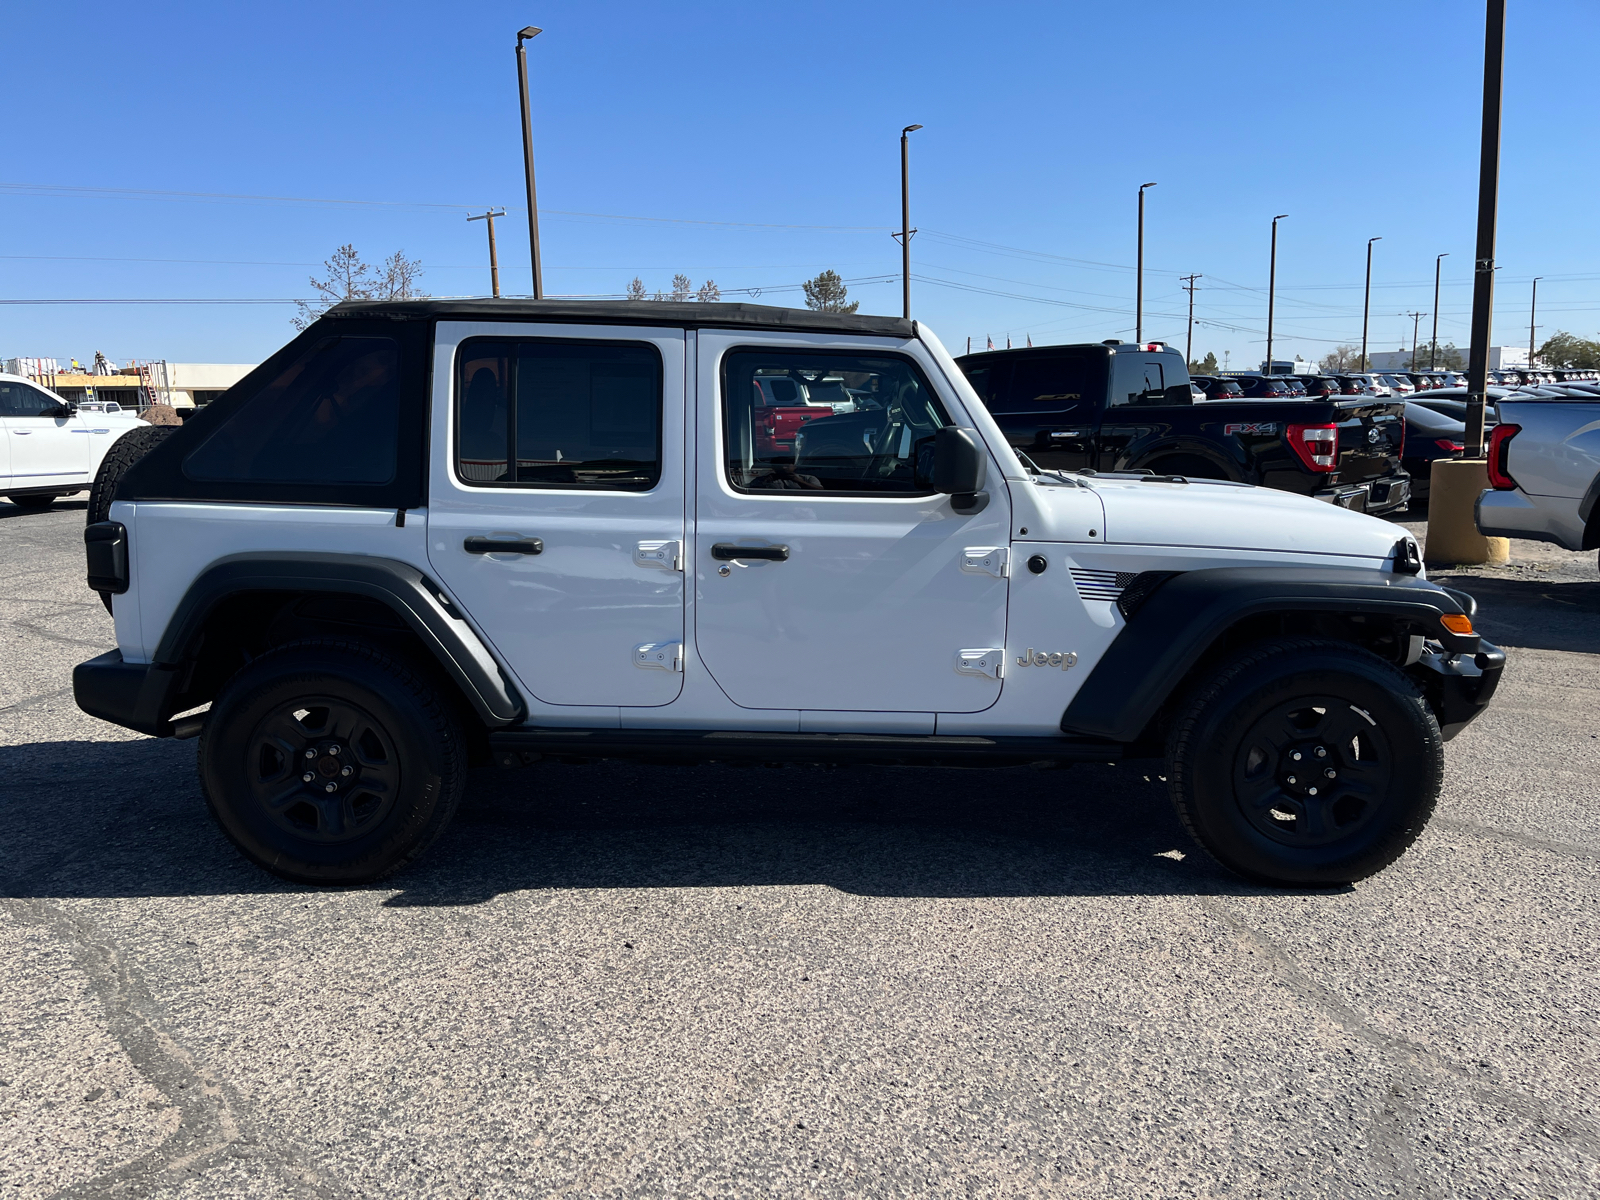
(1456, 623)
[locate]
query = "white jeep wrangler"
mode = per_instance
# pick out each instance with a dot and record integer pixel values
(433, 533)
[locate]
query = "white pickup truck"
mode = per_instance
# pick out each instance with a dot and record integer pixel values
(50, 448)
(1544, 468)
(434, 533)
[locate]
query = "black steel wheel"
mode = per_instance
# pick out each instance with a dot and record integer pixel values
(329, 762)
(1306, 762)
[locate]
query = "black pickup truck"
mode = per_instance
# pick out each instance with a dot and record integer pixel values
(1117, 406)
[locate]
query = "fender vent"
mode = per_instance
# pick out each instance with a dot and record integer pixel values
(1141, 589)
(1101, 585)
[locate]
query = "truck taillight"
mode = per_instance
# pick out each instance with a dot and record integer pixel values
(1448, 446)
(1316, 445)
(1498, 454)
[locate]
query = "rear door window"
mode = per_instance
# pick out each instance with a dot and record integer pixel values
(559, 414)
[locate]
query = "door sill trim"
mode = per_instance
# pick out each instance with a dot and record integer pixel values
(526, 744)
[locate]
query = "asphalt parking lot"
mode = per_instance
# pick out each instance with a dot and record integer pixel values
(615, 980)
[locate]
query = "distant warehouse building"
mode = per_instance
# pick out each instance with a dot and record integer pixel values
(182, 385)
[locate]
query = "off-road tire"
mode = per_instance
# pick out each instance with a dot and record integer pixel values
(125, 451)
(1240, 794)
(34, 503)
(398, 762)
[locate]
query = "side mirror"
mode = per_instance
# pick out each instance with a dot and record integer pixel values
(959, 467)
(63, 408)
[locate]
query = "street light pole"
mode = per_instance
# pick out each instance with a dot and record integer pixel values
(1138, 303)
(531, 31)
(905, 213)
(1533, 309)
(1272, 287)
(1494, 39)
(1188, 342)
(1366, 305)
(1433, 352)
(494, 259)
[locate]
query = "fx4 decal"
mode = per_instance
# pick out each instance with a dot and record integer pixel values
(1242, 427)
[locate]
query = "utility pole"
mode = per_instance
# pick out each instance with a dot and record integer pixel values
(494, 259)
(532, 31)
(1138, 303)
(1494, 42)
(905, 213)
(1188, 342)
(1533, 308)
(1272, 288)
(1433, 352)
(1416, 318)
(1366, 305)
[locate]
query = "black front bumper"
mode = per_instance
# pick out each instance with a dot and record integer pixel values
(133, 695)
(1459, 686)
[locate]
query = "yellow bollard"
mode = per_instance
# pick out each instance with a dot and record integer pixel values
(1453, 536)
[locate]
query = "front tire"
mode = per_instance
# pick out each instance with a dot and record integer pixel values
(327, 762)
(1306, 763)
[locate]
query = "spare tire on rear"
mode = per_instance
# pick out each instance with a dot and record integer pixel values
(125, 451)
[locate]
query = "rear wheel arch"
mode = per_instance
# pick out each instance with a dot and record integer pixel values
(248, 605)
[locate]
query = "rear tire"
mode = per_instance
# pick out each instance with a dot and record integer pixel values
(1366, 782)
(385, 753)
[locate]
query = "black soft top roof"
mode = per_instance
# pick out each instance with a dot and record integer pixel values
(693, 315)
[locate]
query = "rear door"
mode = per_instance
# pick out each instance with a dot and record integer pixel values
(859, 588)
(556, 504)
(1048, 405)
(1145, 388)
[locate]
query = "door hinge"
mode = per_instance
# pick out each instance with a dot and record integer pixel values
(986, 664)
(986, 560)
(668, 556)
(659, 656)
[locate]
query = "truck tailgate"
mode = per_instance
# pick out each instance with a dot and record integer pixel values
(1372, 437)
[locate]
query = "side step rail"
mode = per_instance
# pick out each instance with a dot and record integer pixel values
(525, 745)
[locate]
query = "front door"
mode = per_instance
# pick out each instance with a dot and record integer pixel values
(828, 573)
(556, 516)
(45, 450)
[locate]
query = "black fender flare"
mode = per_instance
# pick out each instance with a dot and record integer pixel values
(140, 695)
(1181, 620)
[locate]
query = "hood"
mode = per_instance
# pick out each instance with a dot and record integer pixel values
(1205, 514)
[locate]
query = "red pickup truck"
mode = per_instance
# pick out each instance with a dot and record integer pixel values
(787, 403)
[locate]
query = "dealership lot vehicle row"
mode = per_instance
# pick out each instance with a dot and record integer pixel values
(734, 980)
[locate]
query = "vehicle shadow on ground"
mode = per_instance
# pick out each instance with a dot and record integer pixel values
(1538, 614)
(9, 511)
(126, 819)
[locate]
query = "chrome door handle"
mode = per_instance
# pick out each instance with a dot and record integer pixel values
(490, 545)
(728, 552)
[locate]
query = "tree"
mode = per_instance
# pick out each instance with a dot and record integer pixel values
(349, 278)
(1563, 349)
(1446, 358)
(1206, 366)
(709, 292)
(399, 279)
(636, 289)
(682, 287)
(826, 293)
(1345, 358)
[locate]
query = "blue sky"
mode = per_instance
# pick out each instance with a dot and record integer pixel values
(757, 144)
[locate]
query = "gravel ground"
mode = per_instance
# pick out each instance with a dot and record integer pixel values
(615, 980)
